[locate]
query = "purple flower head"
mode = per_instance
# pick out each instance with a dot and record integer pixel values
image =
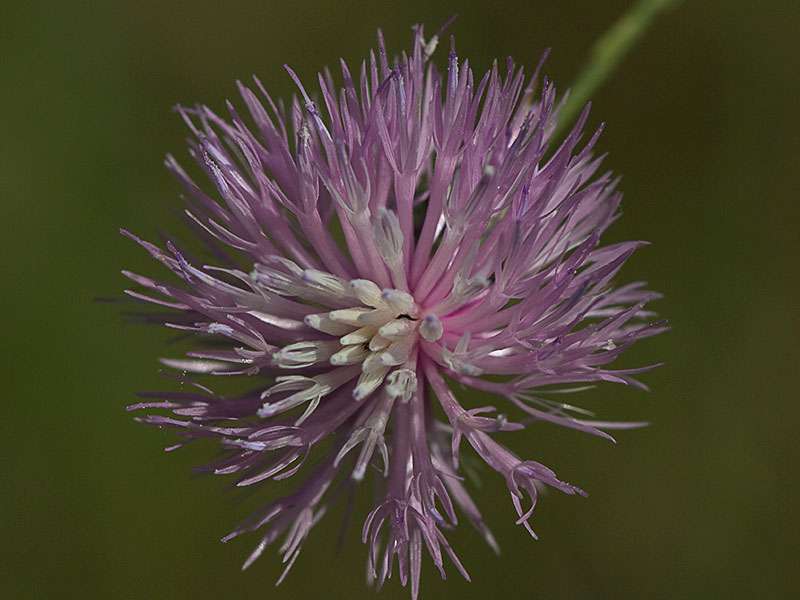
(372, 249)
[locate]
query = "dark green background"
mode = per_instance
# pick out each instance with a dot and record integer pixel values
(702, 123)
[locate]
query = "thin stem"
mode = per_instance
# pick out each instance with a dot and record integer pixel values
(607, 53)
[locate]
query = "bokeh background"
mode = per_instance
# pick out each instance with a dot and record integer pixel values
(702, 123)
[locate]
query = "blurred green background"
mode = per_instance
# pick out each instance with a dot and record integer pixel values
(701, 122)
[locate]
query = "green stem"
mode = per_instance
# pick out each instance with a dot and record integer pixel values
(607, 53)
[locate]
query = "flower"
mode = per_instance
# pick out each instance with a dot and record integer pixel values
(419, 233)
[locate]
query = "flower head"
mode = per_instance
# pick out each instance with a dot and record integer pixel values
(371, 248)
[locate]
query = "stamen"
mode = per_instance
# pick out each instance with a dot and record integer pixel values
(371, 434)
(400, 302)
(275, 321)
(398, 352)
(325, 324)
(372, 363)
(328, 283)
(349, 316)
(369, 382)
(359, 336)
(396, 329)
(401, 383)
(389, 241)
(304, 354)
(349, 355)
(313, 389)
(367, 292)
(287, 384)
(309, 389)
(431, 328)
(377, 317)
(459, 359)
(378, 342)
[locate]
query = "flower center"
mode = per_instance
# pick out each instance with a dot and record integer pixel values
(374, 340)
